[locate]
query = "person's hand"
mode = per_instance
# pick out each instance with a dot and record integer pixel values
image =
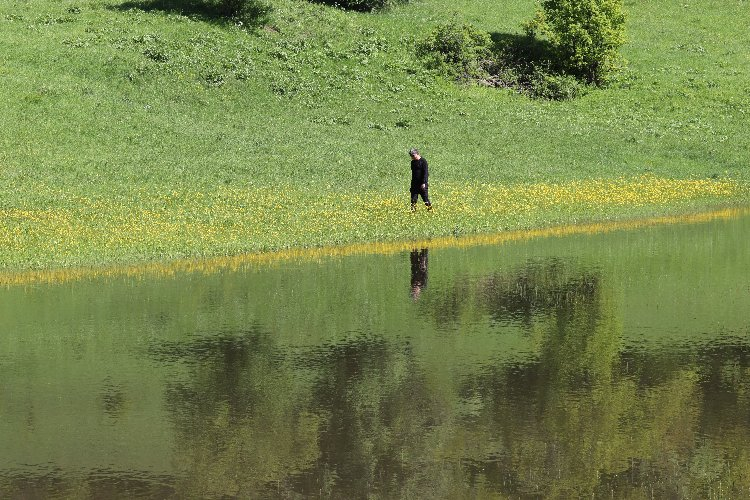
(424, 186)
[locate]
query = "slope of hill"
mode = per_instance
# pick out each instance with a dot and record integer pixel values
(133, 131)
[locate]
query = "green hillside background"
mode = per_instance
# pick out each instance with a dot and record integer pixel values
(119, 110)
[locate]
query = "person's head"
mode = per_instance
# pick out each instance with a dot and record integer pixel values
(414, 153)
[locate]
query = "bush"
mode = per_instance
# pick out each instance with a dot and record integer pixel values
(459, 49)
(586, 33)
(517, 62)
(537, 82)
(554, 87)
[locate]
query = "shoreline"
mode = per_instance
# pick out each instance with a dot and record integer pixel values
(210, 265)
(61, 229)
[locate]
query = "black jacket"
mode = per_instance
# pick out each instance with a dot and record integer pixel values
(419, 172)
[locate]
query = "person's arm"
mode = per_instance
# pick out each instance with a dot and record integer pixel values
(425, 174)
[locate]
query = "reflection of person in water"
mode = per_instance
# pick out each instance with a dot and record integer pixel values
(418, 272)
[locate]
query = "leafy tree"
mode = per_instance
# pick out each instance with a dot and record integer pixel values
(586, 33)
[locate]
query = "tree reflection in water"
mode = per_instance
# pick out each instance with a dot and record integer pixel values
(509, 377)
(243, 416)
(366, 417)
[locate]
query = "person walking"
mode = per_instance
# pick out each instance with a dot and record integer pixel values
(419, 182)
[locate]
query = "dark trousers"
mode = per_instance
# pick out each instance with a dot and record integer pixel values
(417, 191)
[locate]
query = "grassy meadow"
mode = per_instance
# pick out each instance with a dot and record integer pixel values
(134, 132)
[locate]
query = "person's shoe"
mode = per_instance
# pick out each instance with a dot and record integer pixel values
(413, 207)
(429, 208)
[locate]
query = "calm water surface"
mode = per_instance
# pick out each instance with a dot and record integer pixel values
(613, 365)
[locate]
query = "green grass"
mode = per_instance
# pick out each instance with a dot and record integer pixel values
(104, 100)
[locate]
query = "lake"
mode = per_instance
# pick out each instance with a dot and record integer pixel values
(609, 365)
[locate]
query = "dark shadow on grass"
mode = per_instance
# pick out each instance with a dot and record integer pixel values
(529, 66)
(250, 12)
(524, 52)
(360, 5)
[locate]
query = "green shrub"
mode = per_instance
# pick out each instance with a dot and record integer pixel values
(537, 82)
(586, 33)
(554, 87)
(519, 63)
(458, 49)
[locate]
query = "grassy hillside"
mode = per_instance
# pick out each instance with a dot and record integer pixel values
(133, 132)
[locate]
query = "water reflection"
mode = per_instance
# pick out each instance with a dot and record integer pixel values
(56, 482)
(574, 369)
(241, 415)
(259, 421)
(419, 264)
(113, 400)
(538, 288)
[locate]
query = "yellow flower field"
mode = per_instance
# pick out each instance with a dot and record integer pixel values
(142, 226)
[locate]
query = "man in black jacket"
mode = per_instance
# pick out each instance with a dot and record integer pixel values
(419, 175)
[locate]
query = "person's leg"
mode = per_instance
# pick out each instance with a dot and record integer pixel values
(426, 199)
(414, 198)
